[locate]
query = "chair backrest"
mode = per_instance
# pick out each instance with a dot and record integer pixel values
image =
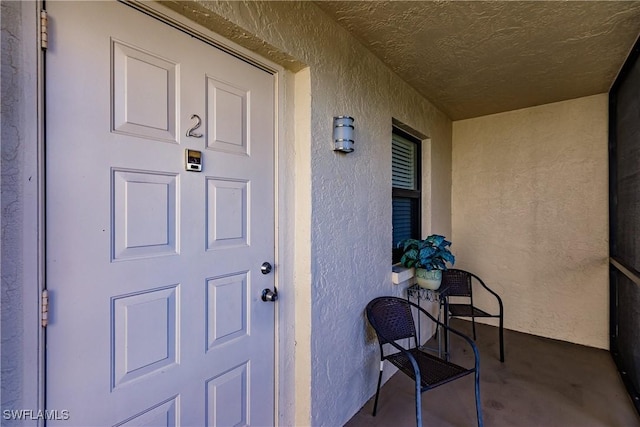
(391, 318)
(457, 282)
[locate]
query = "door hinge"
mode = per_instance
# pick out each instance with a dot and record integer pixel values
(44, 29)
(45, 308)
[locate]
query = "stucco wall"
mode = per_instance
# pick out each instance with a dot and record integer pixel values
(530, 215)
(19, 322)
(342, 202)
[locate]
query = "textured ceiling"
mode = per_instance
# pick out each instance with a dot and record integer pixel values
(482, 57)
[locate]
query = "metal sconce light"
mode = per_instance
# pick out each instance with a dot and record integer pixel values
(343, 134)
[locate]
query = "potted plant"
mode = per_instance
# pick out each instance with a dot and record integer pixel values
(429, 257)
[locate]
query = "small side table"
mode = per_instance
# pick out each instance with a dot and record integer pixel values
(433, 295)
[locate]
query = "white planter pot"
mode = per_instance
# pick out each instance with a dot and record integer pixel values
(428, 279)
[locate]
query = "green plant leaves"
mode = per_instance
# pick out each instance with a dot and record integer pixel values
(435, 240)
(431, 253)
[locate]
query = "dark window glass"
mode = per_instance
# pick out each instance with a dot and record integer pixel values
(405, 181)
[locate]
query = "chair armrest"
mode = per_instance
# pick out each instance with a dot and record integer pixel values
(488, 289)
(450, 329)
(409, 356)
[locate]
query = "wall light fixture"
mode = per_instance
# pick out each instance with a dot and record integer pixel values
(343, 134)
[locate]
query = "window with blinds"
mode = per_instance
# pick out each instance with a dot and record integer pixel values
(405, 178)
(403, 158)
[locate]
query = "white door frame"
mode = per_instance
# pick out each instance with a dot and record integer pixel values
(181, 23)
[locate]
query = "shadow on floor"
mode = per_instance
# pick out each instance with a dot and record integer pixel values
(542, 382)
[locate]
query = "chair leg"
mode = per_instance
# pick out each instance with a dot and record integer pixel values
(473, 324)
(418, 405)
(501, 332)
(375, 404)
(478, 402)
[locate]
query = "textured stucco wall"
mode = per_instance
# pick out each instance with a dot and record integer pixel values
(18, 203)
(530, 215)
(342, 202)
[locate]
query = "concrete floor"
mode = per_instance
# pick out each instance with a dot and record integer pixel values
(543, 382)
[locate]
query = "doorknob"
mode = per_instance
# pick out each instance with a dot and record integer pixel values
(265, 268)
(269, 295)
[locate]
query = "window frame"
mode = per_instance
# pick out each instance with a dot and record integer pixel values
(414, 195)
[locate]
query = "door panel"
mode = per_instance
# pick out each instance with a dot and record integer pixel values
(154, 271)
(144, 97)
(136, 234)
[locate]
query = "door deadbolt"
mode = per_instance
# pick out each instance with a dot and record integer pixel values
(265, 268)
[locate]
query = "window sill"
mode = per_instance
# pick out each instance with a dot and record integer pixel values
(400, 274)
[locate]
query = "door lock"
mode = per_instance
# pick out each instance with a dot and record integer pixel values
(269, 296)
(265, 268)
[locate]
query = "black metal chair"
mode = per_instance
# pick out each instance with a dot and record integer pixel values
(392, 319)
(458, 283)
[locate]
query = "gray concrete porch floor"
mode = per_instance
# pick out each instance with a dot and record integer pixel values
(543, 382)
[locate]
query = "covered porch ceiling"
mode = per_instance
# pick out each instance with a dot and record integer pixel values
(473, 58)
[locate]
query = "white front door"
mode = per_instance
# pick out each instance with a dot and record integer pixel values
(153, 270)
